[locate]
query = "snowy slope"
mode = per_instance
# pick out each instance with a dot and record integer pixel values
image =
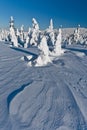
(53, 97)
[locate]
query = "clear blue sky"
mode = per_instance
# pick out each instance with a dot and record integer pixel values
(69, 13)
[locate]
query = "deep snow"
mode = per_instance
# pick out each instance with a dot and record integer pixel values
(52, 97)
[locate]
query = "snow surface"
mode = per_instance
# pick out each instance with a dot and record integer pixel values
(52, 97)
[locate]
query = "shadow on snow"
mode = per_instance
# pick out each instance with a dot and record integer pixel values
(34, 56)
(15, 92)
(77, 49)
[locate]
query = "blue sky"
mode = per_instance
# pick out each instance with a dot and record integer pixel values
(68, 13)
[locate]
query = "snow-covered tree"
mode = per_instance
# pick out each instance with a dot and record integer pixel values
(3, 35)
(34, 39)
(27, 42)
(69, 41)
(43, 47)
(35, 25)
(28, 36)
(22, 33)
(75, 37)
(29, 31)
(11, 21)
(77, 34)
(17, 33)
(43, 57)
(52, 37)
(57, 46)
(50, 34)
(13, 37)
(34, 33)
(12, 33)
(51, 25)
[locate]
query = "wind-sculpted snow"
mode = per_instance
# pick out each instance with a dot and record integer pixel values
(53, 97)
(14, 93)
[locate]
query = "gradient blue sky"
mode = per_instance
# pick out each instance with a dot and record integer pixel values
(69, 13)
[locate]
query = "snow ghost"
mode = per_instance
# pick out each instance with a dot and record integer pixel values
(43, 58)
(13, 37)
(43, 47)
(57, 46)
(51, 25)
(35, 24)
(34, 33)
(17, 32)
(11, 21)
(27, 42)
(50, 34)
(76, 34)
(13, 33)
(52, 37)
(22, 33)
